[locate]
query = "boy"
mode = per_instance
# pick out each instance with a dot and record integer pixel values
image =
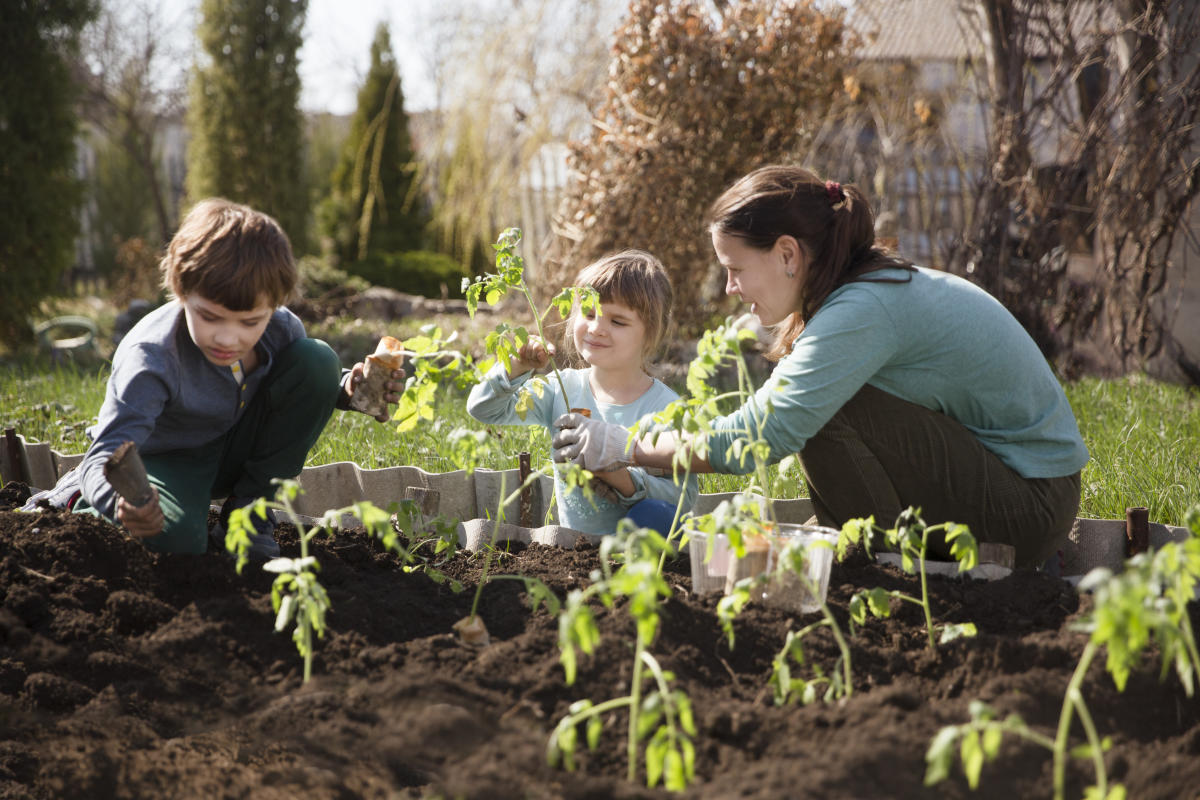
(219, 388)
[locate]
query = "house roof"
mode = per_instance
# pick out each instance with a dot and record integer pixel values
(951, 30)
(925, 30)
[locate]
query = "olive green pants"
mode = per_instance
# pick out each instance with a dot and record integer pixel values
(271, 440)
(879, 455)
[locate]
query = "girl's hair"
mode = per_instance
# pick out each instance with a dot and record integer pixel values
(832, 223)
(229, 254)
(636, 279)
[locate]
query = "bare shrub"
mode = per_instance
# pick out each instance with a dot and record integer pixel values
(698, 94)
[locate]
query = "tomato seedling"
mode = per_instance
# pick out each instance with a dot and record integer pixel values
(910, 536)
(1147, 602)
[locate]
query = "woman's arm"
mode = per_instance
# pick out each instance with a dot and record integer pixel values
(661, 451)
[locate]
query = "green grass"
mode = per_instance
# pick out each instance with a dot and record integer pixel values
(1144, 436)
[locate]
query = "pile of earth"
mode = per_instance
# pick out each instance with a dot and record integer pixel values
(125, 674)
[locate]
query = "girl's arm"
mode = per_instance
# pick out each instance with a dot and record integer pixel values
(634, 484)
(494, 399)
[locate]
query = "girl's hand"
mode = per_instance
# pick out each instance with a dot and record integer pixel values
(533, 355)
(141, 522)
(395, 387)
(593, 444)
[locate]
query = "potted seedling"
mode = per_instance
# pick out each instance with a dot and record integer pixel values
(1147, 602)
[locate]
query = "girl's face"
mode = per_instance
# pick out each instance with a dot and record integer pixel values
(614, 338)
(769, 280)
(225, 336)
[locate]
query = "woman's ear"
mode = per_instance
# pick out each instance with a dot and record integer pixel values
(790, 253)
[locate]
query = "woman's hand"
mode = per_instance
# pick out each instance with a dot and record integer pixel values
(591, 443)
(142, 522)
(395, 387)
(533, 355)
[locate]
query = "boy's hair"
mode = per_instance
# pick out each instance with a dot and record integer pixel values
(230, 254)
(636, 279)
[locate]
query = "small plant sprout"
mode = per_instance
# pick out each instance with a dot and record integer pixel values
(792, 564)
(911, 537)
(297, 597)
(1146, 603)
(470, 628)
(439, 534)
(660, 717)
(505, 341)
(691, 417)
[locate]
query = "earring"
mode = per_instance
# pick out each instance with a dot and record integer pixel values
(790, 274)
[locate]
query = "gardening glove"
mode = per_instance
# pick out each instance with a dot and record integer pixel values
(591, 443)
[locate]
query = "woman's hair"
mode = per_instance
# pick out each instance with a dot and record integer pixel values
(229, 254)
(636, 279)
(832, 223)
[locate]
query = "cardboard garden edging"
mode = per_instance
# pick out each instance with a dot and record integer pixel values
(472, 499)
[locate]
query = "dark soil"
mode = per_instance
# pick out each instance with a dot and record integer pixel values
(126, 674)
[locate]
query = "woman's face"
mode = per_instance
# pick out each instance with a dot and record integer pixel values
(769, 280)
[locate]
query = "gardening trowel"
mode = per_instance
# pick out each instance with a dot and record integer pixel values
(127, 474)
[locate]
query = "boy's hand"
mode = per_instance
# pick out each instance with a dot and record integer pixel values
(141, 522)
(533, 355)
(395, 387)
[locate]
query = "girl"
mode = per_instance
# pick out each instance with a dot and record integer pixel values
(897, 385)
(618, 345)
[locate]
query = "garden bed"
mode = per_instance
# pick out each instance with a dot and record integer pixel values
(129, 675)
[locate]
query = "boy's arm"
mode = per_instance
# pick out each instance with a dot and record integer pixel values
(133, 402)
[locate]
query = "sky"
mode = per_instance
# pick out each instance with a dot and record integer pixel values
(336, 50)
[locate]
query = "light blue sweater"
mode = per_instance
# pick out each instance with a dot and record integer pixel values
(494, 401)
(938, 341)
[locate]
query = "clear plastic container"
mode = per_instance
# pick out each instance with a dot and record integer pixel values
(813, 544)
(708, 569)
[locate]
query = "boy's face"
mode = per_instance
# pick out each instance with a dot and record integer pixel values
(225, 336)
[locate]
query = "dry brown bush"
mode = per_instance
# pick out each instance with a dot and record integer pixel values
(698, 94)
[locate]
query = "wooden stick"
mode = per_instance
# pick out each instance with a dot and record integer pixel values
(126, 472)
(1137, 530)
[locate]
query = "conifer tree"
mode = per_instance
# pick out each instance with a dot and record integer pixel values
(247, 131)
(39, 192)
(375, 207)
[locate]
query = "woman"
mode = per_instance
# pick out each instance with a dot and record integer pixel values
(897, 385)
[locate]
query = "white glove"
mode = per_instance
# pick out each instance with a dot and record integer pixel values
(591, 443)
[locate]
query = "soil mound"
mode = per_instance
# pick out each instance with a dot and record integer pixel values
(125, 674)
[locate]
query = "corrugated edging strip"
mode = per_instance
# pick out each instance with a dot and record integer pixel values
(473, 499)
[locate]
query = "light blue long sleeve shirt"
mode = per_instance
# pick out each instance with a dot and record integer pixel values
(938, 341)
(494, 399)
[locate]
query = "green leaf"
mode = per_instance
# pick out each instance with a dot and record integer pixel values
(594, 728)
(972, 757)
(676, 777)
(957, 630)
(939, 757)
(992, 737)
(655, 755)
